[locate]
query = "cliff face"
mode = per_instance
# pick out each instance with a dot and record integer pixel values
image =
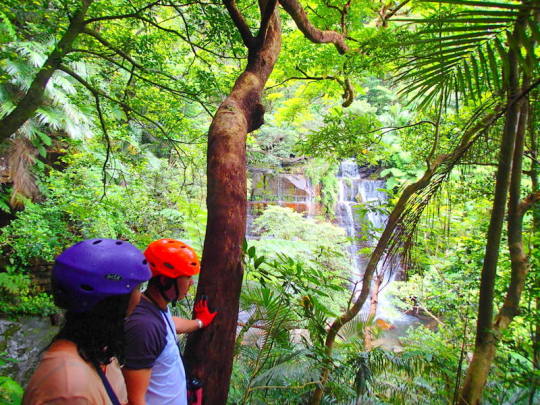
(292, 190)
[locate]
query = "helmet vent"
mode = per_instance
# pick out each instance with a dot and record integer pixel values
(170, 241)
(96, 242)
(144, 261)
(87, 287)
(170, 266)
(119, 242)
(193, 263)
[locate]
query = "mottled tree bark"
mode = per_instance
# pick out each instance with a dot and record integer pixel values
(209, 352)
(33, 98)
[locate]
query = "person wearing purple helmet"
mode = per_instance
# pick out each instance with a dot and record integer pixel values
(93, 281)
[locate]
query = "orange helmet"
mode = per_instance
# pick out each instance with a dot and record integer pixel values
(172, 258)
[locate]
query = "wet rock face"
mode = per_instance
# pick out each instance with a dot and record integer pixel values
(280, 188)
(289, 190)
(21, 343)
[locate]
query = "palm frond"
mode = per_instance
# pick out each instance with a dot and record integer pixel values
(464, 53)
(291, 366)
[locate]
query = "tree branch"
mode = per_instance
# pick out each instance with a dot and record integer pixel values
(348, 91)
(386, 16)
(110, 46)
(122, 16)
(183, 37)
(94, 91)
(528, 202)
(240, 23)
(33, 98)
(295, 10)
(266, 18)
(176, 92)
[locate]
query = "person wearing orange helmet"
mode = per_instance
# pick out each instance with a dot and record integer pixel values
(153, 367)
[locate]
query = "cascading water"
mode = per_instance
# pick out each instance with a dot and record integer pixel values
(360, 212)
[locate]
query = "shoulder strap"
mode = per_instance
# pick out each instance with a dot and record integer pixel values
(108, 388)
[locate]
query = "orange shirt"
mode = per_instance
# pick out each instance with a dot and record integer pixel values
(63, 378)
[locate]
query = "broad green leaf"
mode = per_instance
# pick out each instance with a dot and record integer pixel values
(479, 3)
(512, 14)
(4, 206)
(251, 252)
(258, 261)
(450, 38)
(45, 138)
(468, 78)
(487, 28)
(485, 67)
(42, 151)
(476, 73)
(495, 74)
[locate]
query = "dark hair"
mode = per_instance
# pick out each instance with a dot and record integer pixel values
(98, 333)
(161, 282)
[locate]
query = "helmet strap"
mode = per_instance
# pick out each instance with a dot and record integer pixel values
(166, 286)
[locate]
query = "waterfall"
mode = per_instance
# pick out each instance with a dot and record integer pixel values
(359, 211)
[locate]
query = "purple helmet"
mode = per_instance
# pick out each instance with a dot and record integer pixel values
(92, 270)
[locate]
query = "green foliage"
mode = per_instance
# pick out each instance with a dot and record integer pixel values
(21, 295)
(77, 208)
(58, 112)
(11, 392)
(319, 245)
(287, 304)
(161, 75)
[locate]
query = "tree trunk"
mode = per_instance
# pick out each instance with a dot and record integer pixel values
(534, 248)
(518, 258)
(33, 98)
(209, 352)
(368, 330)
(485, 338)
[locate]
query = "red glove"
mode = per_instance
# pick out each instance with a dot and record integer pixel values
(202, 312)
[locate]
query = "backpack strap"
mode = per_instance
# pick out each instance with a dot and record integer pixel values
(108, 388)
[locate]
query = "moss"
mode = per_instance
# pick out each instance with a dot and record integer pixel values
(322, 175)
